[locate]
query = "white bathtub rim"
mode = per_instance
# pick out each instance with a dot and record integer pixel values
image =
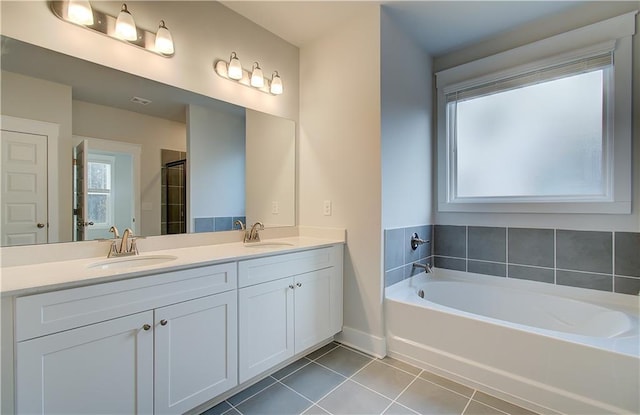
(432, 360)
(625, 344)
(626, 303)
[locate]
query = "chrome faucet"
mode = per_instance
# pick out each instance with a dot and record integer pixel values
(239, 224)
(426, 267)
(253, 235)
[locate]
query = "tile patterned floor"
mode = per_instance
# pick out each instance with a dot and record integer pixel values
(338, 380)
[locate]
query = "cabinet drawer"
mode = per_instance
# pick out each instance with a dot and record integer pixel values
(41, 314)
(259, 270)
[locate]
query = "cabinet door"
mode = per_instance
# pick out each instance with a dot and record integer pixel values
(102, 368)
(313, 308)
(266, 326)
(196, 352)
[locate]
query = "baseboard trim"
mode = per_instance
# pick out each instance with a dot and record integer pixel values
(365, 342)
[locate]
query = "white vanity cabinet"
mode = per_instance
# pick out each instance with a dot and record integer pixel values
(158, 344)
(105, 367)
(287, 303)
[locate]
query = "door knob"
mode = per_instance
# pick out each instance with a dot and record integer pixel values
(291, 286)
(299, 284)
(163, 322)
(146, 327)
(40, 225)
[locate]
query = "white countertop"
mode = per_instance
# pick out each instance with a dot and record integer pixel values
(30, 279)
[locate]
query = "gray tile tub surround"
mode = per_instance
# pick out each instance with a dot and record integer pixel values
(450, 247)
(627, 263)
(487, 250)
(587, 251)
(399, 256)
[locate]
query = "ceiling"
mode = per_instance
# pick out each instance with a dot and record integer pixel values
(439, 26)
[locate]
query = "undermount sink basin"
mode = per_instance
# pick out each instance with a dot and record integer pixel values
(132, 262)
(267, 244)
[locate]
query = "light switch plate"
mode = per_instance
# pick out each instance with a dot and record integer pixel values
(326, 208)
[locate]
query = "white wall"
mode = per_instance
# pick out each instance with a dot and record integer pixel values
(152, 133)
(270, 169)
(36, 99)
(339, 160)
(203, 32)
(562, 22)
(216, 162)
(406, 110)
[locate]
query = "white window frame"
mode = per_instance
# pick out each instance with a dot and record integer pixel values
(612, 34)
(104, 159)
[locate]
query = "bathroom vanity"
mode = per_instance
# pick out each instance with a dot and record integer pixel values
(168, 334)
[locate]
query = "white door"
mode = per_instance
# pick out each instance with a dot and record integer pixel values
(265, 326)
(313, 308)
(196, 352)
(102, 368)
(23, 188)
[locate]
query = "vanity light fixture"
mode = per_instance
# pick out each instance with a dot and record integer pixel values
(235, 68)
(125, 25)
(255, 79)
(276, 84)
(164, 41)
(80, 12)
(122, 27)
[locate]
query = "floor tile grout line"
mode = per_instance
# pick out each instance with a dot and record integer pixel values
(346, 378)
(295, 371)
(403, 391)
(324, 354)
(298, 393)
(246, 399)
(468, 402)
(395, 367)
(444, 387)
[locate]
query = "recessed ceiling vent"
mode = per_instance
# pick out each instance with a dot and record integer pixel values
(141, 101)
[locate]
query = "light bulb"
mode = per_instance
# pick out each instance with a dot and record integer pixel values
(257, 79)
(235, 68)
(80, 12)
(125, 25)
(276, 84)
(164, 41)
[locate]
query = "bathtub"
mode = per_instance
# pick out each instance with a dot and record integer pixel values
(549, 348)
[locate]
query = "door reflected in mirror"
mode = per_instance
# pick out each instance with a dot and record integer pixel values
(106, 182)
(248, 174)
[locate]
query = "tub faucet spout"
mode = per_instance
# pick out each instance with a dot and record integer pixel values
(426, 267)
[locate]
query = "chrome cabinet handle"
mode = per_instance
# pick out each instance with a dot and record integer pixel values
(40, 225)
(163, 322)
(291, 286)
(146, 327)
(299, 284)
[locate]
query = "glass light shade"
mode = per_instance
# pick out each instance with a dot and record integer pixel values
(235, 68)
(257, 79)
(164, 41)
(125, 25)
(276, 84)
(80, 12)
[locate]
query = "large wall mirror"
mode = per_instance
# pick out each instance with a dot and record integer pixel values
(85, 147)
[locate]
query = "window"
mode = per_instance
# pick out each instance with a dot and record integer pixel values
(551, 135)
(539, 136)
(99, 190)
